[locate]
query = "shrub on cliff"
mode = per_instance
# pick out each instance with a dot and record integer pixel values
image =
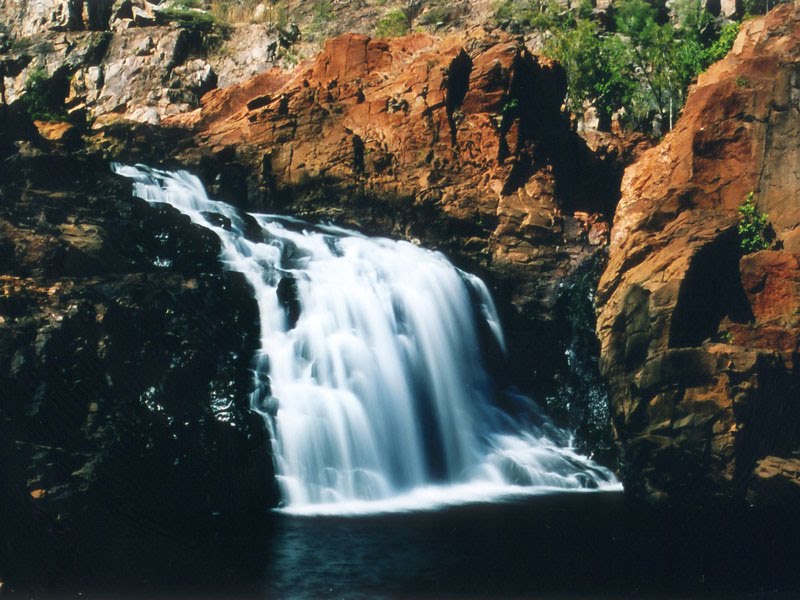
(393, 24)
(440, 14)
(595, 68)
(760, 7)
(44, 96)
(753, 228)
(723, 44)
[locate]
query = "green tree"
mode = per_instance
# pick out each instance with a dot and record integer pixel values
(652, 54)
(596, 66)
(642, 65)
(722, 45)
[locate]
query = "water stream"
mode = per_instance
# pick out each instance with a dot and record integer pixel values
(370, 375)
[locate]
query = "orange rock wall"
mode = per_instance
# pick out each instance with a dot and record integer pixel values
(700, 343)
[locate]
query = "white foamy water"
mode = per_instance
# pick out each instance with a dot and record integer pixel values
(370, 373)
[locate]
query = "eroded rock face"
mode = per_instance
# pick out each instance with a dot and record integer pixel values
(458, 143)
(139, 75)
(148, 74)
(250, 50)
(125, 368)
(33, 18)
(700, 343)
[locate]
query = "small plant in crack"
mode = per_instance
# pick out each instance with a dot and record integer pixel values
(755, 232)
(510, 107)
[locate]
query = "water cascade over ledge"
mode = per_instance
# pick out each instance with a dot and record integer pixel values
(370, 373)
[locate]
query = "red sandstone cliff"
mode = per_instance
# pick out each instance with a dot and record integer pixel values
(700, 343)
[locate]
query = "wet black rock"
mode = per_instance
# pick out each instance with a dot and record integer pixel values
(125, 369)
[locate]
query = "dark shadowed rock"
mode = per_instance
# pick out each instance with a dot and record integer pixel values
(125, 369)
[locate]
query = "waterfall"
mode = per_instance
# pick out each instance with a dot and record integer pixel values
(370, 373)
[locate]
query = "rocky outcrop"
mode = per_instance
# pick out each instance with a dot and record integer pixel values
(111, 68)
(30, 19)
(459, 143)
(125, 369)
(700, 342)
(138, 75)
(251, 49)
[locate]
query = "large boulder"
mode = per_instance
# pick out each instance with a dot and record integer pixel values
(700, 341)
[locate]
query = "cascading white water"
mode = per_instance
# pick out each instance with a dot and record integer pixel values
(370, 371)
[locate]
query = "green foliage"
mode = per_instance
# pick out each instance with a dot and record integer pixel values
(288, 56)
(521, 16)
(722, 45)
(322, 11)
(640, 67)
(754, 227)
(208, 29)
(393, 24)
(196, 21)
(510, 106)
(43, 98)
(282, 19)
(665, 58)
(595, 66)
(760, 7)
(226, 12)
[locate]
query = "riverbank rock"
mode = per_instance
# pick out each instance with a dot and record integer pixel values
(124, 367)
(700, 343)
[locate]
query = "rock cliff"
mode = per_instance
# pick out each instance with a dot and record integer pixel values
(459, 142)
(700, 341)
(106, 62)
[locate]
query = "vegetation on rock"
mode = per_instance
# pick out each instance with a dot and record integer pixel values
(44, 96)
(393, 24)
(636, 65)
(694, 418)
(753, 227)
(208, 27)
(438, 14)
